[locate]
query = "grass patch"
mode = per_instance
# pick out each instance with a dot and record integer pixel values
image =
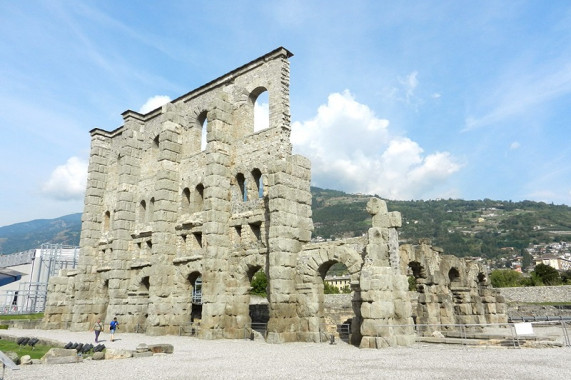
(36, 353)
(7, 317)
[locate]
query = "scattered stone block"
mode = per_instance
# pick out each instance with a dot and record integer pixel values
(161, 348)
(61, 356)
(26, 360)
(98, 355)
(142, 348)
(114, 353)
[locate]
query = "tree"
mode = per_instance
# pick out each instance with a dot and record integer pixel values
(546, 275)
(566, 277)
(505, 278)
(527, 260)
(329, 289)
(259, 284)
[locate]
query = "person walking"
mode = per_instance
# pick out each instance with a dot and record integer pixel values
(97, 327)
(113, 327)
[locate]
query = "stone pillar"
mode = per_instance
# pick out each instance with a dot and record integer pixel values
(166, 198)
(290, 227)
(384, 290)
(216, 304)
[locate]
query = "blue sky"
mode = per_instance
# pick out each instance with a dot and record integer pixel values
(407, 100)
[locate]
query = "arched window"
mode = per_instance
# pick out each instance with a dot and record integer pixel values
(106, 221)
(145, 284)
(257, 175)
(242, 190)
(142, 211)
(198, 197)
(261, 103)
(185, 201)
(453, 275)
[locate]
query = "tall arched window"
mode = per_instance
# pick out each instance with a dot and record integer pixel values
(185, 201)
(198, 198)
(242, 190)
(257, 175)
(106, 221)
(261, 103)
(142, 211)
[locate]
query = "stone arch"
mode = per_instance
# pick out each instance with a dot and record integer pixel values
(185, 280)
(454, 275)
(313, 261)
(312, 267)
(245, 309)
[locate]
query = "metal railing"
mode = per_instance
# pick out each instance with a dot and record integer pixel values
(539, 333)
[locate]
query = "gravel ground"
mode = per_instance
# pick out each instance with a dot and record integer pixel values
(244, 359)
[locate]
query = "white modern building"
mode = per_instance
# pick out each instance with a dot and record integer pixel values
(24, 276)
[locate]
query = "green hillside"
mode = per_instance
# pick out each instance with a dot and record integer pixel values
(29, 235)
(464, 228)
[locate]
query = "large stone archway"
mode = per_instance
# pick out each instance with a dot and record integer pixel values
(312, 266)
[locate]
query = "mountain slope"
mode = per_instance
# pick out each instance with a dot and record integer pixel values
(483, 228)
(28, 235)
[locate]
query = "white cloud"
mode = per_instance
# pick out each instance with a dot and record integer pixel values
(154, 103)
(351, 149)
(68, 181)
(515, 145)
(261, 116)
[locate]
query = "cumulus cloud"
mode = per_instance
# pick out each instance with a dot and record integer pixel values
(67, 182)
(351, 149)
(514, 145)
(261, 116)
(153, 103)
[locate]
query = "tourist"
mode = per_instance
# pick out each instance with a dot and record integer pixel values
(97, 327)
(113, 327)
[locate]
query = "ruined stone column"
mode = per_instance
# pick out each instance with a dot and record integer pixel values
(384, 290)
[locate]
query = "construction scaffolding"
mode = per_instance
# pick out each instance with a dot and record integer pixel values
(38, 266)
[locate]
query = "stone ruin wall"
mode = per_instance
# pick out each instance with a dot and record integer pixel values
(161, 212)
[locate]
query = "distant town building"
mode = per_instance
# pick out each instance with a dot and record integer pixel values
(339, 282)
(554, 261)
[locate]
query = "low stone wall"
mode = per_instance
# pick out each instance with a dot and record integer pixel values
(537, 294)
(22, 323)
